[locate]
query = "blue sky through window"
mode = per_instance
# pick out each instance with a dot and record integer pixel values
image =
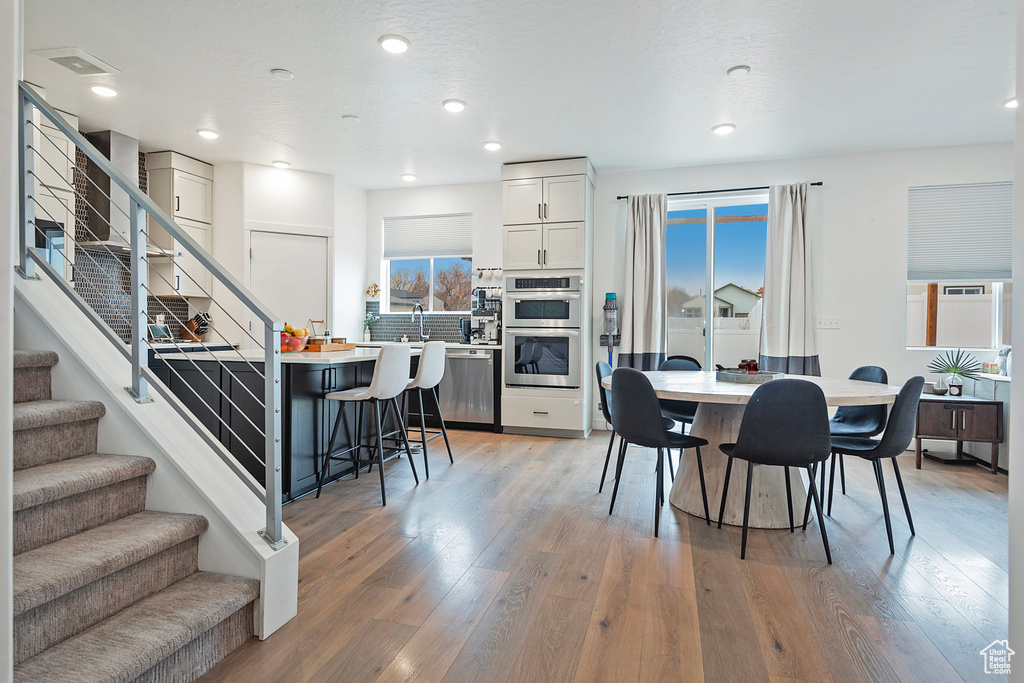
(739, 249)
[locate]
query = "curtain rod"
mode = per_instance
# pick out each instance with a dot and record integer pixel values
(734, 189)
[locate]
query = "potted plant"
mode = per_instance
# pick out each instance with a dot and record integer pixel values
(957, 365)
(368, 322)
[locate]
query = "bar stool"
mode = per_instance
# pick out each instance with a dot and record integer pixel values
(429, 374)
(390, 378)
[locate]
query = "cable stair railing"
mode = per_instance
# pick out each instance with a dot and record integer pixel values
(132, 264)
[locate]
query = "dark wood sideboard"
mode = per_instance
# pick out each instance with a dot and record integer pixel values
(959, 418)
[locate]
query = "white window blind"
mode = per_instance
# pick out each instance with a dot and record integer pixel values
(960, 232)
(440, 235)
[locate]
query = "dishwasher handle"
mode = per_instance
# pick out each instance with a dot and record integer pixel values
(469, 356)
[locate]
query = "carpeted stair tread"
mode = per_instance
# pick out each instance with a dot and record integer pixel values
(135, 639)
(47, 483)
(34, 359)
(36, 414)
(53, 570)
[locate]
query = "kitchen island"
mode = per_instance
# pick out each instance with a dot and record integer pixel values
(219, 388)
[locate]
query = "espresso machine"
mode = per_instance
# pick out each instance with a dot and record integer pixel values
(485, 308)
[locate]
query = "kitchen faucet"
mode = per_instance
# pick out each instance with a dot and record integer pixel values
(423, 337)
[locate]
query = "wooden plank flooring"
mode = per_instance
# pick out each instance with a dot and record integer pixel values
(506, 567)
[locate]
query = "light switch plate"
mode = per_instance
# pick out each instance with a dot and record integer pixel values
(827, 323)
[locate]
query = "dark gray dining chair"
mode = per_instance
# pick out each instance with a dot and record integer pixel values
(605, 370)
(894, 442)
(680, 411)
(856, 421)
(637, 419)
(785, 424)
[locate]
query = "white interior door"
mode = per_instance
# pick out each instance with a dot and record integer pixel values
(288, 273)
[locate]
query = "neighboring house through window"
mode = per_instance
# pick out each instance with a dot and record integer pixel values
(428, 260)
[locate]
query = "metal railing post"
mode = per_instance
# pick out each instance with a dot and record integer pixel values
(26, 204)
(272, 406)
(139, 268)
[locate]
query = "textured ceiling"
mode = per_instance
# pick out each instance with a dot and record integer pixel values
(629, 84)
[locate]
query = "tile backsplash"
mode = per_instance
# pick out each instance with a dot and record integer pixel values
(440, 326)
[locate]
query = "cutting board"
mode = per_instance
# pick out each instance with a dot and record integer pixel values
(321, 348)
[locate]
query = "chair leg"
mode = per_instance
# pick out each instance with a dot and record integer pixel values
(703, 487)
(789, 498)
(746, 510)
(423, 435)
(885, 503)
(444, 430)
(607, 457)
(671, 469)
(903, 495)
(380, 452)
(330, 449)
(658, 495)
(618, 472)
(405, 439)
(842, 473)
(725, 490)
(821, 517)
(359, 436)
(832, 483)
(813, 469)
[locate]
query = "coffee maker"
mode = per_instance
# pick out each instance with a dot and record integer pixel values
(485, 317)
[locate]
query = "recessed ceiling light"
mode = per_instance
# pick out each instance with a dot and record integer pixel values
(408, 177)
(351, 118)
(103, 90)
(723, 128)
(282, 74)
(1010, 103)
(208, 134)
(492, 146)
(741, 70)
(396, 45)
(280, 164)
(454, 106)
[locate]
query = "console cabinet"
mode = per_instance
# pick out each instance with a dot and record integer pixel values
(959, 419)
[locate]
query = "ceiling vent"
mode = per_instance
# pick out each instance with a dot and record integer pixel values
(79, 61)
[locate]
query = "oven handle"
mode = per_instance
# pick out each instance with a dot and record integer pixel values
(541, 332)
(546, 297)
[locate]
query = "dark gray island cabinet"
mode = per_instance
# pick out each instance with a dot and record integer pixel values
(221, 390)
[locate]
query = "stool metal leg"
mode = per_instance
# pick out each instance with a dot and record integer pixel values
(405, 438)
(327, 454)
(380, 451)
(423, 434)
(444, 430)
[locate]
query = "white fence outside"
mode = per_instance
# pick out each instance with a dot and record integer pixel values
(735, 338)
(964, 320)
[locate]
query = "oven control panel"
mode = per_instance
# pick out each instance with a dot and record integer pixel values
(526, 284)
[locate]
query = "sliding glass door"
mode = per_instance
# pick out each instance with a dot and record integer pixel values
(716, 246)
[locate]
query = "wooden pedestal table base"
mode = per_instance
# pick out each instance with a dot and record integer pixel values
(720, 423)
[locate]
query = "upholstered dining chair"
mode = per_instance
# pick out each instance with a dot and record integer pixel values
(856, 421)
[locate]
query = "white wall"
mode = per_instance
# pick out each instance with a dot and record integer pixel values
(860, 244)
(349, 259)
(1016, 503)
(10, 73)
(483, 200)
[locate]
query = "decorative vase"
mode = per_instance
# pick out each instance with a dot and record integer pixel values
(941, 385)
(366, 335)
(956, 385)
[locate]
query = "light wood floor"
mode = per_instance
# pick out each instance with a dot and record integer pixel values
(506, 567)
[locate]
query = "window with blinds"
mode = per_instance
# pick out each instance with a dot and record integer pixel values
(959, 265)
(428, 262)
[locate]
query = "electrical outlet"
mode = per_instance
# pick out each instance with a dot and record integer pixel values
(826, 323)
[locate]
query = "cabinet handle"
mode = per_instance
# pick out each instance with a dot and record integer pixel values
(952, 424)
(177, 203)
(177, 283)
(539, 214)
(963, 420)
(540, 412)
(545, 257)
(545, 209)
(538, 257)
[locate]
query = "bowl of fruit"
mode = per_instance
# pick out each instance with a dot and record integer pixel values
(293, 339)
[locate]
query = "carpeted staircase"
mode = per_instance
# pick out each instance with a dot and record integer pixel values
(105, 590)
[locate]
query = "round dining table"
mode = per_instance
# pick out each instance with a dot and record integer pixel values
(717, 420)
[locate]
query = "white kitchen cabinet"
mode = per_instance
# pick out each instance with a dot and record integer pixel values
(182, 275)
(522, 201)
(523, 246)
(564, 245)
(565, 199)
(193, 197)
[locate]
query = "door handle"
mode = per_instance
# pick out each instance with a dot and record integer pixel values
(177, 203)
(538, 257)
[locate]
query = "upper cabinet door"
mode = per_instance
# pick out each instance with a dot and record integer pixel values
(565, 199)
(564, 246)
(193, 197)
(523, 247)
(523, 201)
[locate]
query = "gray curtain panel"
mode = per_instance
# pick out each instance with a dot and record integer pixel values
(789, 340)
(644, 325)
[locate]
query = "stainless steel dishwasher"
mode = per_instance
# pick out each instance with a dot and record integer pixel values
(467, 390)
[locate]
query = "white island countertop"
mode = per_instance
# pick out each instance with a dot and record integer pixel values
(357, 355)
(417, 345)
